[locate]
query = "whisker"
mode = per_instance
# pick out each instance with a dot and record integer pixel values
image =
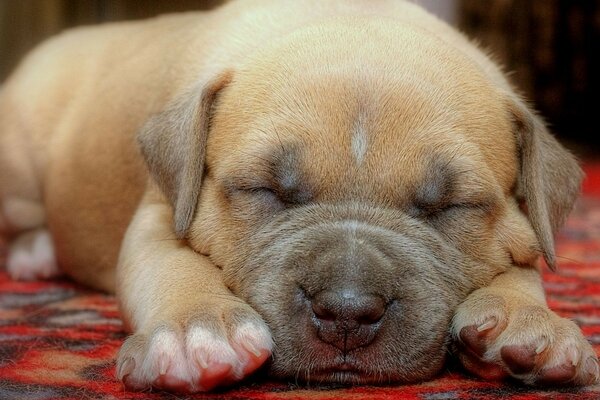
(545, 254)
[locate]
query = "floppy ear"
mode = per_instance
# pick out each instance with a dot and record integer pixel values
(173, 144)
(549, 180)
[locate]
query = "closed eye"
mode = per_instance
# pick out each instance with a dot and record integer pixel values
(436, 210)
(258, 191)
(287, 199)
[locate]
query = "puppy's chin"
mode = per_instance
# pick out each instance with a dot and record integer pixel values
(358, 371)
(353, 294)
(376, 364)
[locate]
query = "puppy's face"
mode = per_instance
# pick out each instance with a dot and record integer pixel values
(354, 202)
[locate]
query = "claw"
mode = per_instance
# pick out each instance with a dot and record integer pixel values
(591, 366)
(125, 368)
(487, 325)
(163, 364)
(252, 349)
(574, 356)
(201, 360)
(542, 346)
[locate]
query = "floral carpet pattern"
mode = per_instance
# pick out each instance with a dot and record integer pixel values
(58, 340)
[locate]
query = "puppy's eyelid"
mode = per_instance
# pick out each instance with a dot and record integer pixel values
(256, 190)
(262, 185)
(285, 199)
(259, 189)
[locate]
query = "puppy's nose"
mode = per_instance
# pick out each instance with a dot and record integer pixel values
(347, 318)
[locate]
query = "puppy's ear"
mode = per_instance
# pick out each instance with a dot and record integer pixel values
(549, 180)
(173, 144)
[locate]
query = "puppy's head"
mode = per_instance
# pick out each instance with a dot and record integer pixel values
(355, 191)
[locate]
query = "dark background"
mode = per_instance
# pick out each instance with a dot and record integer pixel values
(551, 47)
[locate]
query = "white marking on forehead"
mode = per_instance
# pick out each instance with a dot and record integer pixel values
(359, 139)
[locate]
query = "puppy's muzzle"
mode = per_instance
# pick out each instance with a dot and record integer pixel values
(346, 310)
(347, 318)
(358, 294)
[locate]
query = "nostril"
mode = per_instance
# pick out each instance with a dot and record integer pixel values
(348, 307)
(322, 312)
(372, 311)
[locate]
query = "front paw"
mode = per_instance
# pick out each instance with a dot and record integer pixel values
(217, 346)
(505, 333)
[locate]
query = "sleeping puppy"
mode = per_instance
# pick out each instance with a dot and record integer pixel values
(348, 189)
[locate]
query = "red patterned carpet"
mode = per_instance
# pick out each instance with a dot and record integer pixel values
(58, 340)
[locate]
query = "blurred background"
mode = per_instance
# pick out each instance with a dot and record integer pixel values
(551, 47)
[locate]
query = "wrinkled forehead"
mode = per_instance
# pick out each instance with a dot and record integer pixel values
(347, 134)
(364, 115)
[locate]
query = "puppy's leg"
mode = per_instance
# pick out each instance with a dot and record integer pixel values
(25, 243)
(507, 329)
(26, 247)
(190, 332)
(31, 256)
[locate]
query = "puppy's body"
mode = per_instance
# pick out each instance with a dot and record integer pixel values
(86, 163)
(95, 87)
(369, 118)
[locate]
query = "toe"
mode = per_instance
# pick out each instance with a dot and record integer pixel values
(557, 375)
(255, 360)
(519, 359)
(473, 339)
(215, 375)
(253, 342)
(483, 369)
(591, 371)
(470, 337)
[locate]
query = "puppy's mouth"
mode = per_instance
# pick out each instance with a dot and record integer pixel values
(343, 377)
(345, 370)
(363, 368)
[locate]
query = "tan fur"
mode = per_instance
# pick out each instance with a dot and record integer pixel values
(225, 89)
